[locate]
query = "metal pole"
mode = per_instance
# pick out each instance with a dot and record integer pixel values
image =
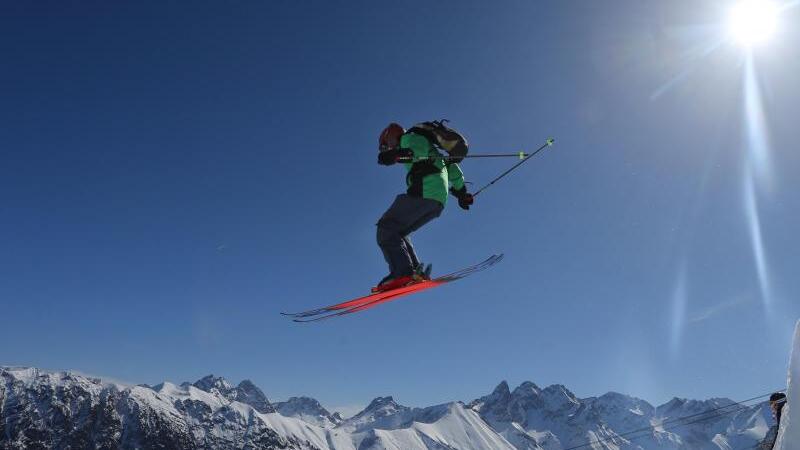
(520, 155)
(547, 143)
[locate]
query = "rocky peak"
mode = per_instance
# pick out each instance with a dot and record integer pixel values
(682, 407)
(526, 389)
(382, 404)
(497, 406)
(210, 383)
(309, 410)
(382, 412)
(500, 395)
(246, 392)
(558, 397)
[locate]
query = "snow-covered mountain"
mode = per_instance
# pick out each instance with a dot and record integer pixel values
(40, 409)
(308, 410)
(246, 392)
(385, 424)
(553, 418)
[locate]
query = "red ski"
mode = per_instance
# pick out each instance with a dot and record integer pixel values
(372, 300)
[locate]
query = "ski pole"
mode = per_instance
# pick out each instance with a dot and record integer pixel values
(520, 155)
(546, 144)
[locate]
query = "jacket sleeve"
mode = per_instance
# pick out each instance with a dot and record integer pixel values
(455, 176)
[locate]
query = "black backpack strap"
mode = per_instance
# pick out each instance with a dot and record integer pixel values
(427, 134)
(421, 169)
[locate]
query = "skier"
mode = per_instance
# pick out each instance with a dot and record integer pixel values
(429, 177)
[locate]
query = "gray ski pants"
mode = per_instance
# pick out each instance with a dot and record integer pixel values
(406, 215)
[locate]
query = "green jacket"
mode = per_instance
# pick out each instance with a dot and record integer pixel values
(429, 178)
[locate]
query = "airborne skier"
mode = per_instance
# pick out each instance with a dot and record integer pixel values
(430, 175)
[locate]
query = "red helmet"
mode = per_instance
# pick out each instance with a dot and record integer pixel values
(390, 137)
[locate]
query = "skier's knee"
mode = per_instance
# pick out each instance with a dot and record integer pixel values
(387, 236)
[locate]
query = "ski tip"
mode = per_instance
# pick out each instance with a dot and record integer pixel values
(311, 312)
(495, 258)
(309, 319)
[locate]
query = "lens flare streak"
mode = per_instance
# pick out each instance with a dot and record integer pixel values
(693, 59)
(756, 239)
(757, 172)
(756, 125)
(679, 302)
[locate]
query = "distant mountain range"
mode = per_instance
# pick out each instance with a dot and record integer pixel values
(63, 410)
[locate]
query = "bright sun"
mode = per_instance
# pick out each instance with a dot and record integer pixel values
(753, 21)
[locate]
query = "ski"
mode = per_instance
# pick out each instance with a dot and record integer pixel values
(378, 295)
(369, 301)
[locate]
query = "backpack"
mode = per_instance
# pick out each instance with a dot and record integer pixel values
(443, 137)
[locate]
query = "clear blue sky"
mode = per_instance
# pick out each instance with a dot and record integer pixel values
(172, 175)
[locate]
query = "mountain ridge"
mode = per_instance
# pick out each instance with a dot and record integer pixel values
(68, 408)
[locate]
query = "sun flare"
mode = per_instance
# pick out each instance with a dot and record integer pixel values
(752, 22)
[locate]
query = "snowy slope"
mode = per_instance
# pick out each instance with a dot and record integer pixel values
(383, 412)
(384, 424)
(789, 433)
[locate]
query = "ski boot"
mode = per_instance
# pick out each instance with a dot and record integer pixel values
(423, 272)
(388, 283)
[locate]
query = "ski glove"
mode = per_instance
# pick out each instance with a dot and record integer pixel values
(389, 157)
(465, 199)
